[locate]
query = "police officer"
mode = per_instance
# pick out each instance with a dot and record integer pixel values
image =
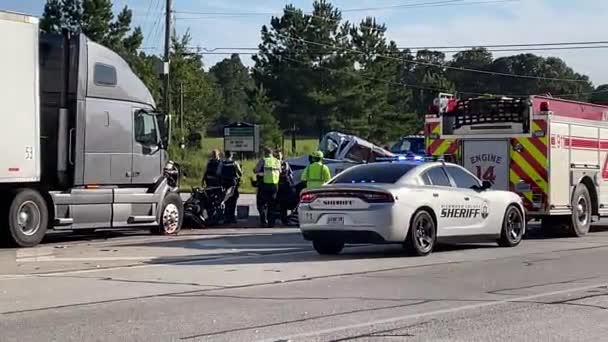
(286, 176)
(268, 171)
(286, 194)
(212, 172)
(231, 174)
(316, 174)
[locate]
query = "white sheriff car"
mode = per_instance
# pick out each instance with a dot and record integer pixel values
(409, 202)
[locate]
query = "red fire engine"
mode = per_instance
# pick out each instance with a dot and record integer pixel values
(552, 152)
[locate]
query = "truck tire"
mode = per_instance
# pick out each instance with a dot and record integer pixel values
(580, 221)
(171, 215)
(422, 234)
(513, 227)
(26, 219)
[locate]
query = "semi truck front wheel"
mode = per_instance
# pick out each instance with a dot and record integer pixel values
(27, 219)
(171, 215)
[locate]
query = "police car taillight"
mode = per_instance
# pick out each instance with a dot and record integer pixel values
(377, 197)
(307, 198)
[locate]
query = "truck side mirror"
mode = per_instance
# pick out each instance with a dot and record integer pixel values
(164, 125)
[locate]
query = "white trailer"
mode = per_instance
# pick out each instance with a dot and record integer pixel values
(19, 99)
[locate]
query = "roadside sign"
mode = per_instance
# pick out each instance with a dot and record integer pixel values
(242, 137)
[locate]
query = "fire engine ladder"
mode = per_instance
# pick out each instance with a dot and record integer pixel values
(491, 112)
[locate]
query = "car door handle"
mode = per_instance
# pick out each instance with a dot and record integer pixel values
(435, 195)
(466, 198)
(136, 174)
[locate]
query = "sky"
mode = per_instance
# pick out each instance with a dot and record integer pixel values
(445, 24)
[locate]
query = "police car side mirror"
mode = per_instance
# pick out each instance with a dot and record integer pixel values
(485, 185)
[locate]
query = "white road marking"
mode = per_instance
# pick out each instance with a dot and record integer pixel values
(429, 313)
(59, 259)
(181, 261)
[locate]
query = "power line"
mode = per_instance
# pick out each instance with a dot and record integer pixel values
(502, 45)
(154, 30)
(147, 15)
(409, 85)
(526, 49)
(342, 10)
(217, 15)
(414, 86)
(214, 15)
(238, 49)
(494, 73)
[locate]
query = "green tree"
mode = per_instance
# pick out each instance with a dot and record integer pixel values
(469, 83)
(530, 64)
(235, 82)
(600, 95)
(430, 78)
(202, 100)
(261, 111)
(295, 53)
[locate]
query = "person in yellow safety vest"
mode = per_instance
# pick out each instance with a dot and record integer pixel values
(268, 172)
(316, 174)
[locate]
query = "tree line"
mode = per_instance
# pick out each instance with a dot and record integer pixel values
(314, 72)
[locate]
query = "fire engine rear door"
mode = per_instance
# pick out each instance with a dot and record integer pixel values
(488, 160)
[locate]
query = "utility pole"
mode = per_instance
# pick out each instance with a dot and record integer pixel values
(167, 56)
(181, 113)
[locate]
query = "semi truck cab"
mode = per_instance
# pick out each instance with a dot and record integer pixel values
(88, 149)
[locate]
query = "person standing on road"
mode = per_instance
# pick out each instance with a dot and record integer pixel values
(268, 170)
(316, 173)
(286, 192)
(231, 174)
(212, 171)
(286, 176)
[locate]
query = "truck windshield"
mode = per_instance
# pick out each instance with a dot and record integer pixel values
(329, 147)
(409, 145)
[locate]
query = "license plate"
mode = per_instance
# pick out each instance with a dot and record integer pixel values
(335, 220)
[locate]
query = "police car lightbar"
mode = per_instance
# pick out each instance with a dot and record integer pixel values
(409, 158)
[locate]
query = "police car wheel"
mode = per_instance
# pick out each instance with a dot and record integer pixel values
(513, 227)
(330, 247)
(422, 234)
(581, 212)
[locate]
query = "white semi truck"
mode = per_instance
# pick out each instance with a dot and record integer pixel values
(82, 146)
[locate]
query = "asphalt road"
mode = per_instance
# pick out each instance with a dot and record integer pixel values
(268, 285)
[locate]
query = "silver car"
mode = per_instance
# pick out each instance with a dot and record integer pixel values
(412, 203)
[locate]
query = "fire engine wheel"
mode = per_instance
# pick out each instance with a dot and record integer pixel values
(27, 219)
(580, 222)
(171, 215)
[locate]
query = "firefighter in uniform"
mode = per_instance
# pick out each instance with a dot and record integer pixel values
(268, 171)
(231, 174)
(316, 173)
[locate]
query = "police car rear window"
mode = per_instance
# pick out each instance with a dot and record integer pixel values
(386, 173)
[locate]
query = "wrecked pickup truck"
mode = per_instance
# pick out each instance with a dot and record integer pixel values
(342, 151)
